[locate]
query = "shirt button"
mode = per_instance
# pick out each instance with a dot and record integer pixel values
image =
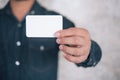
(19, 25)
(32, 12)
(18, 43)
(17, 63)
(42, 48)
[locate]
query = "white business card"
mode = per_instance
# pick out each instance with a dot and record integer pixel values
(43, 25)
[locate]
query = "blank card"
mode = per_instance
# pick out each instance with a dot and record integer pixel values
(43, 25)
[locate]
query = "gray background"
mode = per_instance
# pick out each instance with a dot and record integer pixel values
(102, 19)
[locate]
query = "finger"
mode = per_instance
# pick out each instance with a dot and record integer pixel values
(71, 32)
(73, 50)
(75, 59)
(72, 40)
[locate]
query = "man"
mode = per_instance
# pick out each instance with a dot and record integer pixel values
(23, 58)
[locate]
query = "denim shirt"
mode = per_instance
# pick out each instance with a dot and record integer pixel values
(23, 58)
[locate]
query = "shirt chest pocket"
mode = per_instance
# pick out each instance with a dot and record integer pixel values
(42, 54)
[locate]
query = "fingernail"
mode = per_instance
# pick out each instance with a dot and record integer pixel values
(58, 41)
(57, 34)
(61, 47)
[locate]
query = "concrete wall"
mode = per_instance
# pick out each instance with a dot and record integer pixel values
(102, 19)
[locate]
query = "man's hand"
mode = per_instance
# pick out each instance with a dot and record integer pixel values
(75, 43)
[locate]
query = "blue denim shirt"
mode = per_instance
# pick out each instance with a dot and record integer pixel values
(23, 58)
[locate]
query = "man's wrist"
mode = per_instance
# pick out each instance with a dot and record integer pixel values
(94, 56)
